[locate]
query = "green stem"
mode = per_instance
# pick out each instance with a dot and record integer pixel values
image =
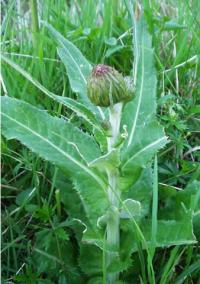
(35, 22)
(58, 202)
(112, 230)
(113, 237)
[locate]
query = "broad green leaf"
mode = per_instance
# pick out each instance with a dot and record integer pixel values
(91, 260)
(148, 139)
(47, 257)
(174, 200)
(141, 191)
(61, 143)
(108, 161)
(145, 136)
(169, 233)
(82, 111)
(175, 223)
(52, 138)
(130, 209)
(77, 66)
(78, 199)
(94, 201)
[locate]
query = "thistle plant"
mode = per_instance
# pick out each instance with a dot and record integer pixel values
(109, 164)
(107, 88)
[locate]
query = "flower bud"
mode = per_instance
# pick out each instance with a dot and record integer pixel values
(106, 86)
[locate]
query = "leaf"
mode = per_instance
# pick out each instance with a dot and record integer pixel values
(52, 138)
(130, 209)
(141, 191)
(110, 51)
(82, 195)
(77, 66)
(50, 258)
(25, 196)
(91, 260)
(94, 201)
(74, 209)
(61, 143)
(148, 139)
(174, 200)
(175, 223)
(110, 161)
(89, 203)
(145, 136)
(101, 139)
(77, 69)
(169, 233)
(93, 118)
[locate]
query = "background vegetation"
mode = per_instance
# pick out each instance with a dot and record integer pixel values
(38, 243)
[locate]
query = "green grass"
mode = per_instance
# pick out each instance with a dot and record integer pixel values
(38, 241)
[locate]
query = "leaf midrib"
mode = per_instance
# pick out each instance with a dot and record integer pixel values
(144, 149)
(140, 98)
(65, 49)
(84, 168)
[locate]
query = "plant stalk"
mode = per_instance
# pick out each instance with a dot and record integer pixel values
(112, 230)
(35, 22)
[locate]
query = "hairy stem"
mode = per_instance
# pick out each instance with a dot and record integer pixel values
(112, 230)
